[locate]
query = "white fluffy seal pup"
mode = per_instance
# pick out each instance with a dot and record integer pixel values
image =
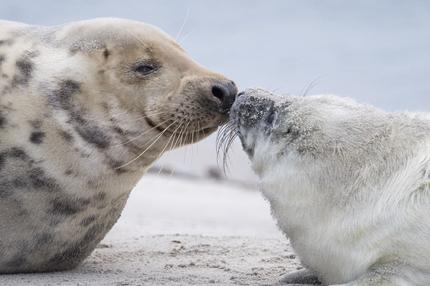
(85, 108)
(349, 185)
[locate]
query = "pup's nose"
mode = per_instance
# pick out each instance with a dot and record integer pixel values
(252, 107)
(225, 92)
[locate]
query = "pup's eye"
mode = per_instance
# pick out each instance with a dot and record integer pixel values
(145, 68)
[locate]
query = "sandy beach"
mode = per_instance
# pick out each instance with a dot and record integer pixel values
(178, 231)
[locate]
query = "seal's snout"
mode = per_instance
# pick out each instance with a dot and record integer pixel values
(225, 93)
(252, 108)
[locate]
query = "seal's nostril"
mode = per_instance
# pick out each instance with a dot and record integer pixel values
(218, 92)
(271, 116)
(225, 92)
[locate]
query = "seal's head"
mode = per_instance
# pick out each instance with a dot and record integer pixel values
(139, 72)
(273, 128)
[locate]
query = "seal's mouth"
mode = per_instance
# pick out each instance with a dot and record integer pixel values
(166, 131)
(153, 125)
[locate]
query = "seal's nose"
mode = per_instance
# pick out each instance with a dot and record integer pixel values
(225, 92)
(253, 107)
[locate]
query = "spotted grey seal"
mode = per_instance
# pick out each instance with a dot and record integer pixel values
(85, 108)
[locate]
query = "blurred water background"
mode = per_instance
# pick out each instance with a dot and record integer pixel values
(375, 51)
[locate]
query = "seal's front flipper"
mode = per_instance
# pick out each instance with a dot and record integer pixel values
(391, 274)
(300, 277)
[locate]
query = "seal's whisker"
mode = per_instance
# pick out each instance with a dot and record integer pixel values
(140, 135)
(169, 142)
(226, 157)
(146, 116)
(309, 86)
(185, 139)
(175, 144)
(172, 136)
(177, 140)
(223, 134)
(176, 134)
(147, 148)
(233, 136)
(220, 135)
(192, 141)
(183, 133)
(184, 22)
(109, 123)
(225, 138)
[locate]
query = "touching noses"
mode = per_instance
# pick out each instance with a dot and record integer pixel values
(252, 108)
(225, 92)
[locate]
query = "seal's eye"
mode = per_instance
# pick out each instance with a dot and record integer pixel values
(145, 68)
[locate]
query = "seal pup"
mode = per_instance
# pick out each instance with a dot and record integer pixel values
(85, 108)
(349, 185)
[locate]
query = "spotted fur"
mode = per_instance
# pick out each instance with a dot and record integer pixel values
(74, 113)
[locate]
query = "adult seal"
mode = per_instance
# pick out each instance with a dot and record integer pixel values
(85, 108)
(349, 184)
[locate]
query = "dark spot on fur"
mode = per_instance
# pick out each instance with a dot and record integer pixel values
(116, 166)
(6, 42)
(16, 262)
(19, 171)
(36, 137)
(19, 257)
(119, 131)
(93, 135)
(76, 253)
(100, 196)
(25, 69)
(73, 50)
(88, 220)
(17, 182)
(84, 155)
(43, 239)
(2, 59)
(61, 98)
(106, 54)
(105, 106)
(3, 121)
(93, 235)
(36, 123)
(62, 206)
(2, 160)
(9, 181)
(38, 180)
(5, 190)
(65, 135)
(27, 178)
(68, 172)
(17, 153)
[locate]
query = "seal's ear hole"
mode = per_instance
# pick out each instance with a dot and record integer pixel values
(271, 118)
(106, 54)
